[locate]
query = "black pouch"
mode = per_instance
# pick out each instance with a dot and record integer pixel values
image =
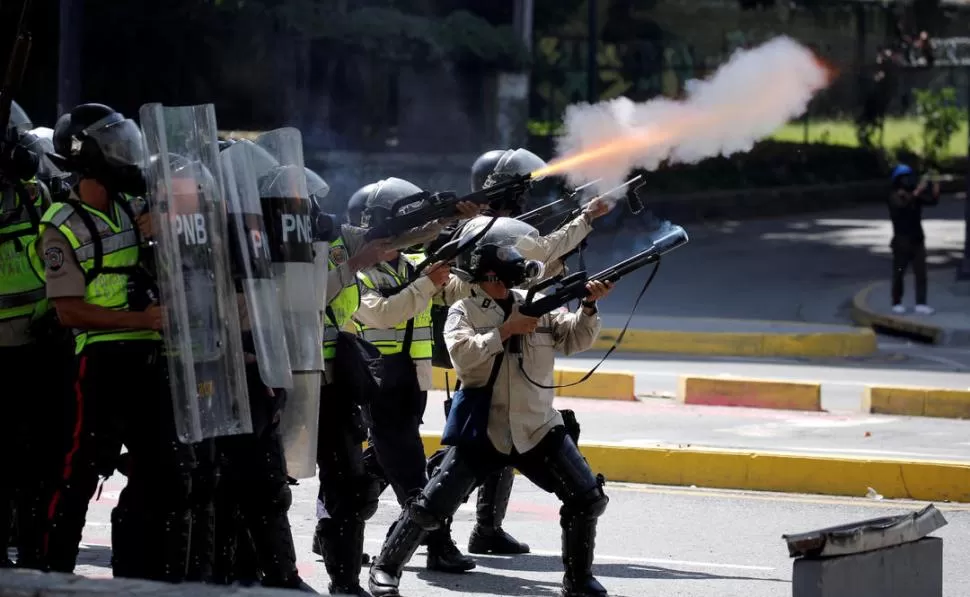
(439, 353)
(358, 367)
(400, 374)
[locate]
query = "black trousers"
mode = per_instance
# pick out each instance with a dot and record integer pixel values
(555, 465)
(394, 419)
(32, 409)
(121, 397)
(908, 252)
(253, 498)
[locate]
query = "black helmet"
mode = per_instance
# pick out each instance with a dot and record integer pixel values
(497, 257)
(383, 198)
(484, 166)
(357, 203)
(97, 142)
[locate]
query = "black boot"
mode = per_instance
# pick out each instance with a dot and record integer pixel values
(444, 555)
(578, 541)
(273, 542)
(342, 542)
(493, 502)
(319, 544)
(401, 543)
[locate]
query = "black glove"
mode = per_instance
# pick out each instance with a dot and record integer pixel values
(17, 162)
(571, 424)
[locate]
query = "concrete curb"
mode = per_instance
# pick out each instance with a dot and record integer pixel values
(823, 344)
(602, 385)
(752, 393)
(863, 314)
(767, 471)
(917, 402)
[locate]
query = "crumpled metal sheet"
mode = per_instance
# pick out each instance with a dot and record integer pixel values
(867, 535)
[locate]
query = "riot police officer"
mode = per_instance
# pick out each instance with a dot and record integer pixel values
(395, 316)
(479, 333)
(490, 168)
(32, 351)
(253, 493)
(91, 251)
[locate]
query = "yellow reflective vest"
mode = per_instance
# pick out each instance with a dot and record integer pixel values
(21, 286)
(391, 341)
(107, 282)
(341, 308)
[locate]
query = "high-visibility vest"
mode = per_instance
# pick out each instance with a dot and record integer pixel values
(342, 307)
(106, 284)
(383, 277)
(21, 287)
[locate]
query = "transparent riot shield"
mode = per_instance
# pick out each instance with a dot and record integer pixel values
(287, 210)
(253, 265)
(192, 252)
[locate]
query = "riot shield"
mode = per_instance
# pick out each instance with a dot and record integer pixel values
(192, 252)
(287, 210)
(253, 265)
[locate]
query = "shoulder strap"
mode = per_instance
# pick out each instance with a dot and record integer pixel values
(332, 317)
(408, 337)
(95, 271)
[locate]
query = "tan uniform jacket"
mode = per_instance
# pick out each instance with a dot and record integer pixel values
(521, 412)
(377, 311)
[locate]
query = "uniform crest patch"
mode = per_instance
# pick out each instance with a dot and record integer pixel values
(338, 254)
(54, 258)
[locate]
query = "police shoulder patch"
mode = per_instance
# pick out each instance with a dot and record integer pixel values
(338, 255)
(54, 258)
(454, 318)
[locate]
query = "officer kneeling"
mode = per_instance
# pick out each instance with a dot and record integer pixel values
(507, 419)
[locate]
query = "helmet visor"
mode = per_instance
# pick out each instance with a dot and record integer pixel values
(41, 146)
(119, 139)
(517, 163)
(315, 185)
(18, 119)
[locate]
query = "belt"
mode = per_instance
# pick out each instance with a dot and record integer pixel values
(419, 334)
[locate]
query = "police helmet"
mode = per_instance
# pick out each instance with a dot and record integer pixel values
(39, 142)
(357, 203)
(498, 254)
(325, 225)
(383, 198)
(484, 166)
(97, 142)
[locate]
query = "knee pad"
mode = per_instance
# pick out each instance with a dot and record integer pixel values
(590, 505)
(423, 515)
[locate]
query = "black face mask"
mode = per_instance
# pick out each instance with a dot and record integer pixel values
(129, 180)
(508, 266)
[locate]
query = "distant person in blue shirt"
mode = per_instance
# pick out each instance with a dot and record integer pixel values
(906, 200)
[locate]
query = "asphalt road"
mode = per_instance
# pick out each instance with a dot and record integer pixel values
(676, 542)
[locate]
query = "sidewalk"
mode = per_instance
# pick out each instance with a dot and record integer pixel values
(950, 325)
(764, 287)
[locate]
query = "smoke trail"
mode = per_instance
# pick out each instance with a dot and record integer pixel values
(747, 99)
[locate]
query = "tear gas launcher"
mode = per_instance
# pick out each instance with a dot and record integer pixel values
(573, 286)
(417, 210)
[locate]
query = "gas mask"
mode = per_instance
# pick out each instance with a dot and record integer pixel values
(505, 264)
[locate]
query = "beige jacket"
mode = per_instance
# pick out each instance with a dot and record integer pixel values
(521, 413)
(377, 311)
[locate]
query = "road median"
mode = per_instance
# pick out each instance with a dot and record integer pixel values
(752, 393)
(917, 402)
(736, 337)
(601, 385)
(773, 471)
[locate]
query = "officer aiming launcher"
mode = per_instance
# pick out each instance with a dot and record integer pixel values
(573, 287)
(419, 209)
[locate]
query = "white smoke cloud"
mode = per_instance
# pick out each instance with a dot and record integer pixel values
(748, 98)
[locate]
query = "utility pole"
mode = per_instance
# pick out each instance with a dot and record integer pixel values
(71, 22)
(524, 19)
(592, 72)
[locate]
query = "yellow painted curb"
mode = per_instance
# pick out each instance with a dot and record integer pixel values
(863, 314)
(763, 471)
(754, 393)
(610, 385)
(823, 344)
(917, 402)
